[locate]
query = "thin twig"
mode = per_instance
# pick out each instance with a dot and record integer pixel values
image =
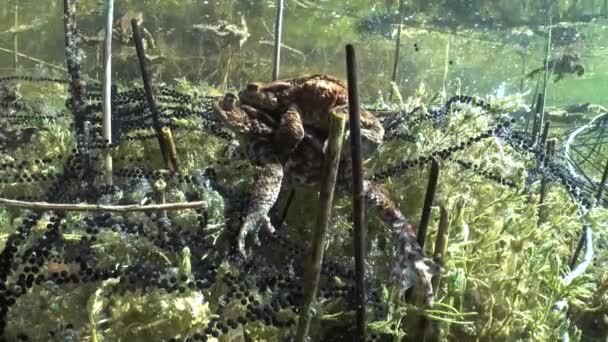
(358, 208)
(330, 174)
(9, 203)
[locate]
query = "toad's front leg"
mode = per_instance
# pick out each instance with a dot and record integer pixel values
(265, 193)
(290, 131)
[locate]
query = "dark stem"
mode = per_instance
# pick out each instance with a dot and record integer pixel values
(579, 248)
(428, 203)
(545, 134)
(398, 43)
(537, 110)
(358, 209)
(547, 72)
(141, 56)
(292, 194)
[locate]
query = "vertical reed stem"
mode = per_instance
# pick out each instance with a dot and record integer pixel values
(579, 247)
(546, 73)
(550, 151)
(331, 164)
(15, 36)
(441, 244)
(600, 190)
(170, 144)
(428, 203)
(278, 31)
(358, 208)
(107, 90)
(543, 138)
(141, 56)
(398, 43)
(540, 99)
(441, 247)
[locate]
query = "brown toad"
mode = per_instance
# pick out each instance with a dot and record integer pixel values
(302, 167)
(307, 101)
(122, 34)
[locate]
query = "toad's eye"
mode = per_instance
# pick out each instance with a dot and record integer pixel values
(253, 87)
(229, 101)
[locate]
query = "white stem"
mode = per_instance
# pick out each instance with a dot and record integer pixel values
(107, 88)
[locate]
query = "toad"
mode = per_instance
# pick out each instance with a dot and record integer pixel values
(302, 167)
(122, 32)
(307, 101)
(10, 100)
(561, 66)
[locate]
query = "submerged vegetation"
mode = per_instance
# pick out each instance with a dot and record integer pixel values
(517, 221)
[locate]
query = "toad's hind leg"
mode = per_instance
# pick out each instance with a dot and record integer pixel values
(411, 268)
(265, 193)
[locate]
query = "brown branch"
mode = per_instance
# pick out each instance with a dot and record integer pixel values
(5, 202)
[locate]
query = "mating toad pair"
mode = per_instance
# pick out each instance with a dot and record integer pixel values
(281, 128)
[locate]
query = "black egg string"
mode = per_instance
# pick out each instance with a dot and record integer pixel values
(469, 100)
(33, 79)
(31, 118)
(443, 153)
(552, 170)
(485, 173)
(437, 116)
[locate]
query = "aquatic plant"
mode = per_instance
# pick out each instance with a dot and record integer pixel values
(142, 273)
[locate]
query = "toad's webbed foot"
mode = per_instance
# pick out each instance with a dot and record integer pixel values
(265, 193)
(411, 268)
